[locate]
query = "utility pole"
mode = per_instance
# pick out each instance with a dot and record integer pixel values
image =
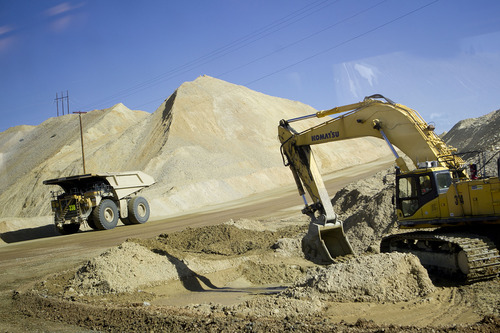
(81, 139)
(57, 99)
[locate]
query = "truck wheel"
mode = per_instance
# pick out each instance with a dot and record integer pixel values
(105, 216)
(138, 210)
(68, 229)
(126, 221)
(91, 223)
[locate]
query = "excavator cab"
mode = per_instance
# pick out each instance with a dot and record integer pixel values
(416, 188)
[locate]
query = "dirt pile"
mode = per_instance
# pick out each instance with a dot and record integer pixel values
(367, 211)
(479, 139)
(475, 133)
(52, 149)
(229, 258)
(147, 262)
(121, 269)
(180, 281)
(209, 142)
(385, 277)
(219, 140)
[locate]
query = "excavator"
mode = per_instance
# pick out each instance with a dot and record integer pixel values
(455, 216)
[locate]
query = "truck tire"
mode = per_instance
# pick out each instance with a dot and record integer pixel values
(68, 229)
(138, 210)
(105, 216)
(91, 223)
(126, 221)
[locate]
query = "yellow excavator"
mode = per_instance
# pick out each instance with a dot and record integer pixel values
(435, 192)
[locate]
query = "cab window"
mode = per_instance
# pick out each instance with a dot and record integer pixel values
(407, 187)
(443, 182)
(425, 184)
(407, 195)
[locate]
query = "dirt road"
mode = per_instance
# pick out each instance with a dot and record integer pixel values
(26, 262)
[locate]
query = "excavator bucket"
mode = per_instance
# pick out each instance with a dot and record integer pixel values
(335, 240)
(323, 243)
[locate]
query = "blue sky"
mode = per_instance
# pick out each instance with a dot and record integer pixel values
(441, 58)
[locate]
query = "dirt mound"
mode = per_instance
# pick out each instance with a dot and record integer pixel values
(121, 269)
(146, 262)
(232, 130)
(386, 277)
(183, 281)
(256, 257)
(367, 211)
(223, 239)
(210, 137)
(475, 133)
(53, 149)
(479, 139)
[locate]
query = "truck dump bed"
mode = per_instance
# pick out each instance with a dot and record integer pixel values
(122, 183)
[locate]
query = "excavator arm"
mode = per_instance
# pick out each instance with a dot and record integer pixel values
(397, 124)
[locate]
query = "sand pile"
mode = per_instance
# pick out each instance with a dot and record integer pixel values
(385, 277)
(367, 211)
(53, 149)
(122, 269)
(255, 258)
(208, 143)
(475, 135)
(213, 142)
(146, 262)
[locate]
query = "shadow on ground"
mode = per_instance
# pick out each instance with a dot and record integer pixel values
(29, 234)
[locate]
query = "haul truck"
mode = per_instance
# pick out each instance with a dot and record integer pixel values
(99, 200)
(436, 192)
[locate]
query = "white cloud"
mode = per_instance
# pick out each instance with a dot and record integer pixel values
(442, 90)
(5, 43)
(61, 8)
(62, 14)
(5, 29)
(351, 81)
(61, 23)
(435, 115)
(366, 73)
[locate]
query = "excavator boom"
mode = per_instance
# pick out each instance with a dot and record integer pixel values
(402, 126)
(386, 120)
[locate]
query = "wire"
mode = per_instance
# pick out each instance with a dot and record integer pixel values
(321, 52)
(303, 39)
(255, 36)
(341, 43)
(233, 46)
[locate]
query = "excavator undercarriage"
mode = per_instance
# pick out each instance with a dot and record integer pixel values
(462, 255)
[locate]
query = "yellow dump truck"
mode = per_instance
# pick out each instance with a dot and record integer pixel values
(99, 200)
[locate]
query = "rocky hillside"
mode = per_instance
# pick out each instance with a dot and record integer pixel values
(477, 134)
(209, 142)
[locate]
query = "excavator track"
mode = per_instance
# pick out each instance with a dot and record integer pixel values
(463, 255)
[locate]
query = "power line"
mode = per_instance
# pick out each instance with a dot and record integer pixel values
(255, 36)
(304, 38)
(323, 51)
(57, 99)
(226, 49)
(341, 43)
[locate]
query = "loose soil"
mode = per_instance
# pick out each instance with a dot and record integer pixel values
(240, 275)
(251, 275)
